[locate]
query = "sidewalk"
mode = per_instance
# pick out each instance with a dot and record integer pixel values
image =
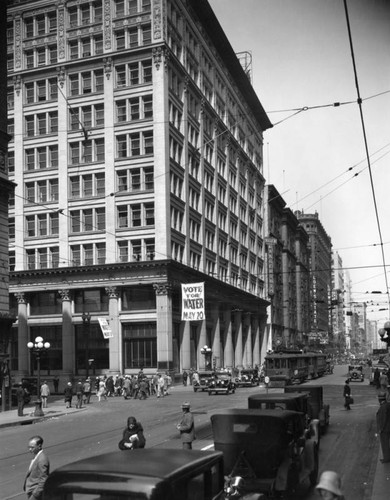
(57, 409)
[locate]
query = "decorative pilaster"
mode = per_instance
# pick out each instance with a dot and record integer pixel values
(164, 325)
(229, 351)
(68, 335)
(248, 356)
(107, 28)
(17, 43)
(115, 342)
(238, 346)
(61, 34)
(23, 338)
(216, 341)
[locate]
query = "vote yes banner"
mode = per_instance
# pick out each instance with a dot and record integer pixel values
(192, 302)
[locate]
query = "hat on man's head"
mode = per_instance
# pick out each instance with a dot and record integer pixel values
(330, 481)
(69, 383)
(186, 405)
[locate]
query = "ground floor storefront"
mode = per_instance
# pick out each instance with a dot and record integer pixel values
(142, 305)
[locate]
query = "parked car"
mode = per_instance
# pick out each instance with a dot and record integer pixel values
(269, 449)
(247, 378)
(317, 408)
(203, 383)
(355, 373)
(221, 382)
(294, 401)
(143, 474)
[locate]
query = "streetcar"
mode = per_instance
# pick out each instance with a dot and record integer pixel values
(294, 367)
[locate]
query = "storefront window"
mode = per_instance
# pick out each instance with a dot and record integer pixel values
(52, 358)
(91, 345)
(94, 300)
(138, 298)
(45, 303)
(140, 345)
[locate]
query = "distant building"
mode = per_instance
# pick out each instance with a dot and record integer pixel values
(138, 159)
(320, 245)
(337, 307)
(288, 273)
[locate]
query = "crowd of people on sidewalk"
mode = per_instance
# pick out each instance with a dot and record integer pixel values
(127, 386)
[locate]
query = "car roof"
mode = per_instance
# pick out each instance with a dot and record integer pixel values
(282, 415)
(150, 464)
(280, 396)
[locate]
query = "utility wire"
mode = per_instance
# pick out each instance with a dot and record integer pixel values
(359, 101)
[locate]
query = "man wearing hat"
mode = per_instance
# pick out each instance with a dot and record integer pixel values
(186, 427)
(329, 487)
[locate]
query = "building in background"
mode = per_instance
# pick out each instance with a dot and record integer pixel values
(288, 274)
(320, 262)
(138, 156)
(337, 305)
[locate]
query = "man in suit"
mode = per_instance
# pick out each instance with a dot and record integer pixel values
(38, 471)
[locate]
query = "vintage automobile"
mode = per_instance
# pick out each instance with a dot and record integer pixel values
(317, 408)
(144, 474)
(203, 383)
(355, 373)
(294, 401)
(221, 382)
(269, 449)
(247, 378)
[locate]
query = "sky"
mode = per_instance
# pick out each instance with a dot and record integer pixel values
(317, 158)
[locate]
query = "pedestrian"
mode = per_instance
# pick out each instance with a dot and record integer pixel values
(155, 384)
(79, 394)
(87, 391)
(190, 375)
(110, 386)
(68, 393)
(45, 393)
(329, 486)
(185, 376)
(133, 436)
(186, 427)
(20, 396)
(168, 381)
(383, 429)
(38, 470)
(160, 386)
(376, 377)
(143, 389)
(347, 395)
(56, 381)
(126, 390)
(102, 390)
(383, 382)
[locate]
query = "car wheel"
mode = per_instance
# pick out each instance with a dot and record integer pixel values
(195, 389)
(314, 473)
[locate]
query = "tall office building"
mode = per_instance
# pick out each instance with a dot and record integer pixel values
(137, 154)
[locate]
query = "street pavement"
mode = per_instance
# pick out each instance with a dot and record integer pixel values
(57, 409)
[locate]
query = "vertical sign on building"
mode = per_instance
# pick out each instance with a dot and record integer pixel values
(105, 327)
(192, 303)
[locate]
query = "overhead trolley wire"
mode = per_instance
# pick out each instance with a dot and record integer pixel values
(359, 101)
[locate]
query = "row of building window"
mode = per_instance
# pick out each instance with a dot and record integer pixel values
(135, 250)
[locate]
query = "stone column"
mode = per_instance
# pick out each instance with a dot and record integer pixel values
(238, 349)
(23, 352)
(68, 336)
(201, 360)
(164, 326)
(216, 340)
(263, 336)
(115, 342)
(229, 351)
(256, 342)
(248, 355)
(185, 346)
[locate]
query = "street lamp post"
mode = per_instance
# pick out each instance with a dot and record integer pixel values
(37, 347)
(207, 352)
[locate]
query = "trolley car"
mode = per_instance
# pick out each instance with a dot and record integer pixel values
(294, 367)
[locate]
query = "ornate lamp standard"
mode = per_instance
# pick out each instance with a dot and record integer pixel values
(207, 352)
(37, 347)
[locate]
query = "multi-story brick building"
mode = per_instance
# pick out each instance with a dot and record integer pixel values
(137, 154)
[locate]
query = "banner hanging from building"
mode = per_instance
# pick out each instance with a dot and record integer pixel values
(192, 302)
(105, 327)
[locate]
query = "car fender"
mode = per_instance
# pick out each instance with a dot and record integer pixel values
(282, 475)
(309, 455)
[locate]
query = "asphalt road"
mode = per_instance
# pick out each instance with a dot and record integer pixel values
(349, 447)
